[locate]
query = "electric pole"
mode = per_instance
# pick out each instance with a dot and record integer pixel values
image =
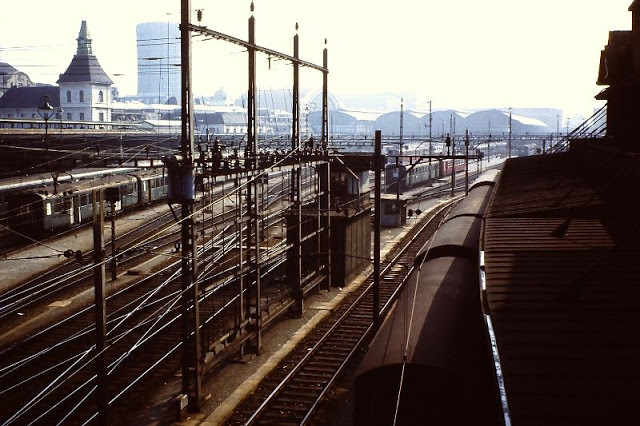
(191, 362)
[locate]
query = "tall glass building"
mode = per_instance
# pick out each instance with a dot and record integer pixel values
(158, 62)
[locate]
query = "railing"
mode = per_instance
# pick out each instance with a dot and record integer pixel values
(592, 128)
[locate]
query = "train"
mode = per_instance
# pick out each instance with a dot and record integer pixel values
(526, 150)
(44, 210)
(413, 175)
(430, 361)
(14, 184)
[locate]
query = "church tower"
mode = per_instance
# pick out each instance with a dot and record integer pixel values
(85, 93)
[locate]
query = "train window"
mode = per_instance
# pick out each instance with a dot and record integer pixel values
(57, 206)
(67, 202)
(83, 199)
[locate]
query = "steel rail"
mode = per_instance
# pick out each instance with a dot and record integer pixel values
(334, 327)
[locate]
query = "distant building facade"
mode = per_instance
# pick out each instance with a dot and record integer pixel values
(158, 46)
(85, 93)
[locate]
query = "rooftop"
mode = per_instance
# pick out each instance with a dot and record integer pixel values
(561, 248)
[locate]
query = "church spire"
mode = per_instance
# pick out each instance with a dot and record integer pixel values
(84, 41)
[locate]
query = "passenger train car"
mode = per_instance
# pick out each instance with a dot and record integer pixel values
(430, 362)
(40, 180)
(413, 175)
(42, 210)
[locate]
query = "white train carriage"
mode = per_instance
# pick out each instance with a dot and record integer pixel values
(39, 212)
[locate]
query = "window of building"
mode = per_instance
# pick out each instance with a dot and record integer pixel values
(101, 116)
(100, 97)
(81, 115)
(82, 96)
(69, 96)
(69, 116)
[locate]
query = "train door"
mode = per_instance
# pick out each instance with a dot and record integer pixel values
(146, 191)
(69, 206)
(76, 209)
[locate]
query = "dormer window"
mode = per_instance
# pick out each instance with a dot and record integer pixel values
(100, 96)
(82, 96)
(69, 96)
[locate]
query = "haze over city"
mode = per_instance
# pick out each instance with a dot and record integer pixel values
(458, 54)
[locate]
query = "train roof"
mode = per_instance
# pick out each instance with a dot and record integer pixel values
(95, 183)
(561, 261)
(474, 204)
(488, 177)
(35, 180)
(459, 237)
(439, 313)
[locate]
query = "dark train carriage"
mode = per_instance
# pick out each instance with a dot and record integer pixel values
(25, 212)
(37, 213)
(475, 203)
(489, 178)
(430, 363)
(459, 237)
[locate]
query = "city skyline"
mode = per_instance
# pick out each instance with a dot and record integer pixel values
(463, 54)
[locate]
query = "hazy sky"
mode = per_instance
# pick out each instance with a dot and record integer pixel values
(458, 53)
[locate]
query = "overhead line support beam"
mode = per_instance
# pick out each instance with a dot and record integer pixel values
(255, 47)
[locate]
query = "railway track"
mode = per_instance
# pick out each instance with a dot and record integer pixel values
(70, 276)
(50, 376)
(291, 393)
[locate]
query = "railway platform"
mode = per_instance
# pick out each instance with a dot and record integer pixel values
(561, 252)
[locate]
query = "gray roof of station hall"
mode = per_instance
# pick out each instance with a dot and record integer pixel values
(29, 97)
(84, 67)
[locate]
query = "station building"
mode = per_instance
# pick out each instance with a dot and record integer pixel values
(83, 92)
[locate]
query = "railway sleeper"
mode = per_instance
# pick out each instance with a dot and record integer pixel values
(283, 419)
(304, 387)
(284, 407)
(355, 324)
(297, 398)
(365, 317)
(318, 375)
(342, 338)
(333, 349)
(323, 369)
(327, 361)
